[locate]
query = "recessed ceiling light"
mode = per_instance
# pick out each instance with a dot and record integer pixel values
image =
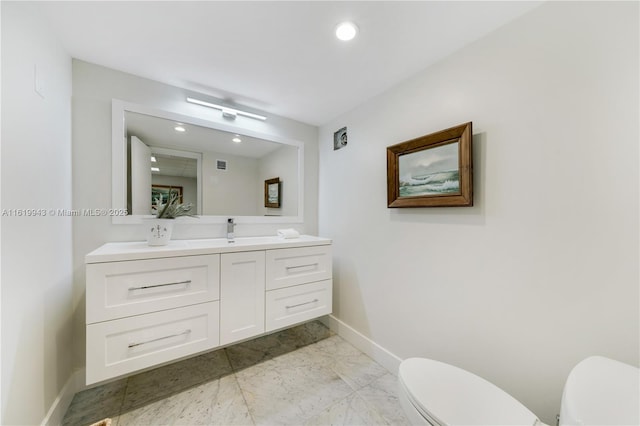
(153, 159)
(346, 31)
(237, 139)
(155, 169)
(179, 128)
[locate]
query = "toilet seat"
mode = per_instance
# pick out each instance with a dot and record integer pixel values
(448, 395)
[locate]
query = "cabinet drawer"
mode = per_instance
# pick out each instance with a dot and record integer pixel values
(121, 289)
(121, 346)
(291, 305)
(287, 267)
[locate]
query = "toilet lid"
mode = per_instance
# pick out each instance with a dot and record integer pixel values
(449, 395)
(600, 391)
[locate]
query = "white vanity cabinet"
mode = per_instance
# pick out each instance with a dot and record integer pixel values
(147, 306)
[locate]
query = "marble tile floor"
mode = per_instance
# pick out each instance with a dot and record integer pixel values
(305, 375)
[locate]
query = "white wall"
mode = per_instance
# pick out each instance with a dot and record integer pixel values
(93, 89)
(543, 270)
(230, 192)
(36, 251)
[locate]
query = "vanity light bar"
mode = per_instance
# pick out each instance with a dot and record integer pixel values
(226, 110)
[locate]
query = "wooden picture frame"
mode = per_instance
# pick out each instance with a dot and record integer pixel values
(272, 193)
(435, 170)
(163, 191)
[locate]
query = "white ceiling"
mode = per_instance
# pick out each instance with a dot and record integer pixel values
(170, 165)
(280, 57)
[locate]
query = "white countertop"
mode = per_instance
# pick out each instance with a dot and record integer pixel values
(114, 252)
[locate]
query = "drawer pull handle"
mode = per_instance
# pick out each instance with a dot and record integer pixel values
(133, 345)
(144, 287)
(301, 304)
(302, 266)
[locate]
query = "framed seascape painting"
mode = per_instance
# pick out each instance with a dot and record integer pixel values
(432, 171)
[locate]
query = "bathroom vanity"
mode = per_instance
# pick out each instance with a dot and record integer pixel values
(147, 306)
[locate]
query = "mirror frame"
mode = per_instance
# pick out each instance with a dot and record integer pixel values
(119, 165)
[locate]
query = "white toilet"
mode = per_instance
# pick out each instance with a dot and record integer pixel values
(598, 391)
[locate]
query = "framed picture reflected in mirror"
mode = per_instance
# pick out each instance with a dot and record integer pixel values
(272, 193)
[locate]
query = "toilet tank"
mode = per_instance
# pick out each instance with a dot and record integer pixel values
(601, 391)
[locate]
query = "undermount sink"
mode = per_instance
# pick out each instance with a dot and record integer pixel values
(241, 241)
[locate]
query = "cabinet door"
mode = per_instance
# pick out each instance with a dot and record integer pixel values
(242, 287)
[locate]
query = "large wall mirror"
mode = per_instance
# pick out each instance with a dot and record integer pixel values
(220, 169)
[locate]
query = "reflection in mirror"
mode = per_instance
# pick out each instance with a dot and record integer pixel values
(220, 173)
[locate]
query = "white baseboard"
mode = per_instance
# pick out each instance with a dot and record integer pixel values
(379, 354)
(59, 407)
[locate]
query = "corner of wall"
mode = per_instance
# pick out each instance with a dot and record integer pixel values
(56, 412)
(381, 355)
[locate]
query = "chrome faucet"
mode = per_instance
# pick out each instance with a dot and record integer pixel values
(230, 227)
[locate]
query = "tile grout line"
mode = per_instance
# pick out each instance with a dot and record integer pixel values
(339, 376)
(124, 396)
(373, 407)
(235, 377)
(355, 387)
(306, 420)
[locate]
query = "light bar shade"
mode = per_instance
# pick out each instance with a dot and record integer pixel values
(226, 110)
